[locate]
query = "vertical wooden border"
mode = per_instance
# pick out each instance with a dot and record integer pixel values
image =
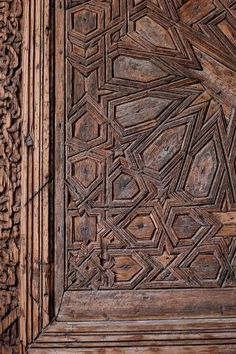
(59, 34)
(36, 257)
(10, 171)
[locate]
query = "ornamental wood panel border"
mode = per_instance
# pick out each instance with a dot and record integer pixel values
(10, 173)
(39, 289)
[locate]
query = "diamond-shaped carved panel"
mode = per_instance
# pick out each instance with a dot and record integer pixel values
(154, 33)
(164, 148)
(136, 69)
(139, 111)
(202, 172)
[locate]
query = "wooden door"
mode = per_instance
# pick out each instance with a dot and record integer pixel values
(144, 178)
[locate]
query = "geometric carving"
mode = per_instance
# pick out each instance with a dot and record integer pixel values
(165, 259)
(202, 171)
(86, 128)
(84, 228)
(84, 21)
(125, 268)
(142, 227)
(144, 130)
(146, 144)
(164, 148)
(85, 171)
(139, 111)
(154, 33)
(144, 171)
(206, 266)
(228, 30)
(185, 226)
(125, 187)
(193, 11)
(135, 69)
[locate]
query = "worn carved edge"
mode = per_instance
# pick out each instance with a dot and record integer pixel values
(10, 165)
(37, 331)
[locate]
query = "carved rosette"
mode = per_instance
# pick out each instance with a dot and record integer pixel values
(10, 141)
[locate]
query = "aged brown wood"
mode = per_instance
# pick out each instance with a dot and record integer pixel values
(149, 350)
(149, 134)
(36, 288)
(10, 173)
(125, 214)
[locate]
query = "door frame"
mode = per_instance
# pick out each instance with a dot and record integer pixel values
(36, 260)
(40, 332)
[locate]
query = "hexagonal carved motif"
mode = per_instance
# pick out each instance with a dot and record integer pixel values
(84, 21)
(142, 227)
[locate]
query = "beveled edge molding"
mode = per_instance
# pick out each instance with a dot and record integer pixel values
(36, 260)
(123, 335)
(200, 349)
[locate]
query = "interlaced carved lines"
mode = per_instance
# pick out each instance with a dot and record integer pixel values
(150, 136)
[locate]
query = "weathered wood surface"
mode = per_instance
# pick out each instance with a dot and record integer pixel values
(36, 291)
(147, 350)
(147, 304)
(127, 165)
(149, 140)
(10, 172)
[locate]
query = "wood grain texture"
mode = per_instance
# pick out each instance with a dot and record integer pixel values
(148, 350)
(147, 304)
(36, 253)
(120, 334)
(128, 195)
(149, 141)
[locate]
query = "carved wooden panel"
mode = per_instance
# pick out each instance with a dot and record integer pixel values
(150, 144)
(10, 170)
(117, 176)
